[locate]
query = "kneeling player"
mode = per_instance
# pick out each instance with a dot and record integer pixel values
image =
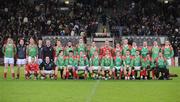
(82, 64)
(32, 68)
(136, 63)
(94, 65)
(146, 66)
(107, 65)
(60, 63)
(70, 63)
(117, 66)
(161, 64)
(47, 68)
(127, 65)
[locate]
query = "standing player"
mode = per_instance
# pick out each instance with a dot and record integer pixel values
(93, 49)
(117, 65)
(47, 67)
(9, 50)
(107, 65)
(81, 47)
(40, 51)
(57, 48)
(82, 64)
(144, 49)
(117, 49)
(94, 64)
(60, 64)
(127, 65)
(70, 63)
(155, 50)
(31, 50)
(48, 51)
(136, 64)
(68, 48)
(106, 48)
(134, 48)
(32, 68)
(21, 56)
(168, 52)
(125, 47)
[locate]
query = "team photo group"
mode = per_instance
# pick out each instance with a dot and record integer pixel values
(41, 59)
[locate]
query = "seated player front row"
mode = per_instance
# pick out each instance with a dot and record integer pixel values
(99, 68)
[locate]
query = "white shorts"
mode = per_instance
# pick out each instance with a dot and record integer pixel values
(106, 68)
(8, 60)
(70, 66)
(81, 67)
(118, 68)
(21, 61)
(95, 67)
(137, 67)
(30, 59)
(40, 61)
(31, 72)
(48, 71)
(60, 67)
(169, 62)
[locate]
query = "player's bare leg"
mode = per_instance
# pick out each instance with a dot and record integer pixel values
(18, 71)
(125, 73)
(133, 74)
(85, 74)
(110, 73)
(145, 74)
(91, 72)
(5, 70)
(12, 70)
(103, 73)
(120, 74)
(36, 75)
(129, 73)
(114, 73)
(64, 73)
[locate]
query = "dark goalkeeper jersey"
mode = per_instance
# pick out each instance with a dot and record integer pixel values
(47, 66)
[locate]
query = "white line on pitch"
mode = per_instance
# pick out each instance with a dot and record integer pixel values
(93, 91)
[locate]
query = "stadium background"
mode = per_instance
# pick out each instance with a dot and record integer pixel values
(94, 20)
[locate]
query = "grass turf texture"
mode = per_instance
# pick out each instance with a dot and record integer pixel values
(89, 90)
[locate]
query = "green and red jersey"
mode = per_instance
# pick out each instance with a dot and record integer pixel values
(144, 51)
(161, 62)
(60, 61)
(92, 50)
(94, 61)
(133, 51)
(32, 50)
(145, 62)
(125, 48)
(67, 49)
(136, 61)
(107, 61)
(118, 61)
(82, 61)
(57, 49)
(168, 52)
(72, 61)
(127, 60)
(81, 48)
(155, 51)
(9, 50)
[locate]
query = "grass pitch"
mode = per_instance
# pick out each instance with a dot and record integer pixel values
(89, 90)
